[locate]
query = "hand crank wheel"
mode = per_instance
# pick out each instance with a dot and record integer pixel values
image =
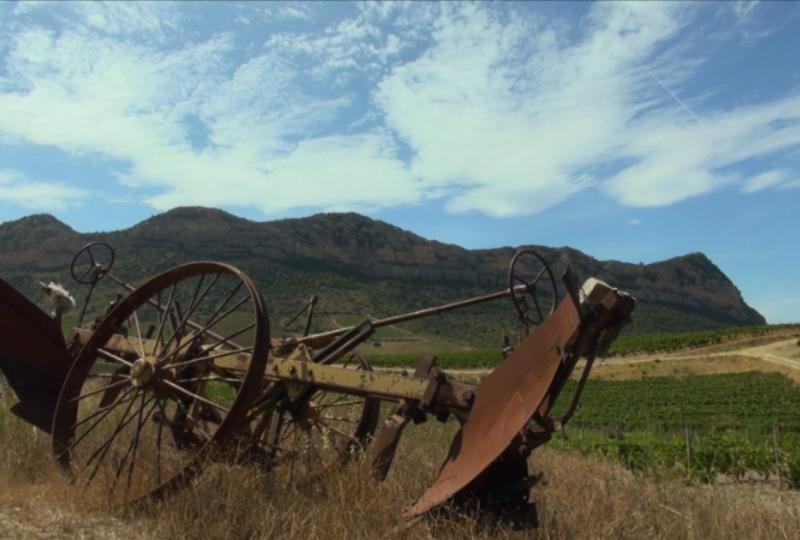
(92, 262)
(527, 268)
(163, 383)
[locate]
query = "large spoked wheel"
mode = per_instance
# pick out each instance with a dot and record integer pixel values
(322, 429)
(525, 281)
(163, 383)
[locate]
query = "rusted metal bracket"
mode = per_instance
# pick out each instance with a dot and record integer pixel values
(436, 379)
(385, 445)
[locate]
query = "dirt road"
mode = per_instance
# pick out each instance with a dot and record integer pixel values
(785, 352)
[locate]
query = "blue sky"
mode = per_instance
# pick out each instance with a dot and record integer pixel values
(630, 131)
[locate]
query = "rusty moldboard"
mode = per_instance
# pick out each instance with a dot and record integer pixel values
(504, 404)
(33, 356)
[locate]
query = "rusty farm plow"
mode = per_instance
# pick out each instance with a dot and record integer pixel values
(183, 370)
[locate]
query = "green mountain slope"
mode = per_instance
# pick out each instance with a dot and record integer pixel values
(362, 267)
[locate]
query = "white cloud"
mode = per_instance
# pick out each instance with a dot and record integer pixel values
(294, 11)
(743, 8)
(337, 172)
(676, 159)
(794, 184)
(160, 18)
(267, 147)
(521, 138)
(134, 18)
(490, 110)
(348, 50)
(765, 180)
(15, 188)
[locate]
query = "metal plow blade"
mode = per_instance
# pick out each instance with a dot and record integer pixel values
(33, 356)
(504, 404)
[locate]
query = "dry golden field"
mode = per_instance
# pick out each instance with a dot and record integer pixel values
(579, 498)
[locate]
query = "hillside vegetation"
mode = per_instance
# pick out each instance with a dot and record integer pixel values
(363, 268)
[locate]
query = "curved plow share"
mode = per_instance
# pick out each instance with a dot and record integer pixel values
(182, 371)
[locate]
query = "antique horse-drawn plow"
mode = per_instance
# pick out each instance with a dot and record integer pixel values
(183, 371)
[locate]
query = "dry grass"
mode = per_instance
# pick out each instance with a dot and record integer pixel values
(580, 498)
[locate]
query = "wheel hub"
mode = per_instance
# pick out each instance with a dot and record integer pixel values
(143, 370)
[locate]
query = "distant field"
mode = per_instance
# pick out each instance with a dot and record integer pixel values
(623, 346)
(703, 457)
(750, 403)
(659, 343)
(695, 426)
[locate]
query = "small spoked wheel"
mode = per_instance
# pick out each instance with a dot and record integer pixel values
(322, 428)
(163, 383)
(531, 279)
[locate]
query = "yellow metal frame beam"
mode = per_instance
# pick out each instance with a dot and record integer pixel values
(298, 369)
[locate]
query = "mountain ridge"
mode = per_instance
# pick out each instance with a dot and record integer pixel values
(362, 265)
(205, 212)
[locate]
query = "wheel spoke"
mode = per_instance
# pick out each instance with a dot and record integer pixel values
(139, 427)
(196, 301)
(131, 445)
(194, 396)
(345, 404)
(113, 357)
(195, 421)
(538, 277)
(210, 379)
(518, 279)
(103, 389)
(538, 309)
(139, 333)
(162, 316)
(337, 419)
(211, 324)
(142, 420)
(327, 426)
(86, 274)
(212, 356)
(100, 452)
(104, 412)
(336, 398)
(164, 419)
(222, 306)
(212, 321)
(227, 340)
(174, 315)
